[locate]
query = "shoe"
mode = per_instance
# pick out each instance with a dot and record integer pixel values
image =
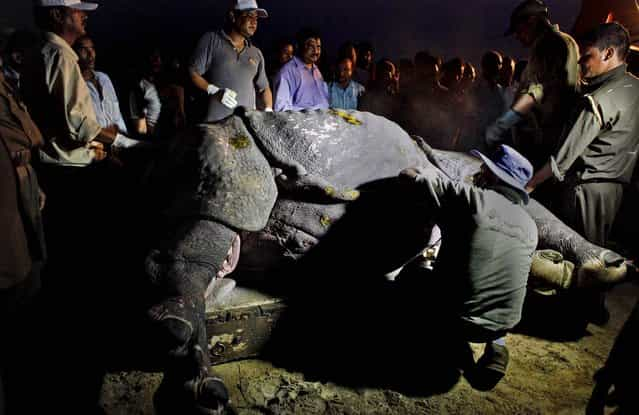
(490, 368)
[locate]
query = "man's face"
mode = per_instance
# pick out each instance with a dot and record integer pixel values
(15, 59)
(524, 32)
(345, 70)
(367, 57)
(86, 54)
(593, 62)
(75, 22)
(246, 23)
(286, 54)
(312, 50)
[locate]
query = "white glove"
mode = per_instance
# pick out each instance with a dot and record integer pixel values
(228, 98)
(212, 89)
(122, 141)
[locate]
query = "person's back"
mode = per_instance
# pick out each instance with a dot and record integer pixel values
(492, 243)
(488, 240)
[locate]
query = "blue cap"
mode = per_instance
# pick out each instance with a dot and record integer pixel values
(510, 167)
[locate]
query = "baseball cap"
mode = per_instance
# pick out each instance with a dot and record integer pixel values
(524, 10)
(510, 167)
(249, 5)
(74, 4)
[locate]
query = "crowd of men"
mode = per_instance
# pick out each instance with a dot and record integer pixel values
(569, 108)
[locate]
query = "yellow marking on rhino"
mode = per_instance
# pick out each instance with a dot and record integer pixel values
(351, 194)
(325, 221)
(240, 142)
(346, 116)
(330, 191)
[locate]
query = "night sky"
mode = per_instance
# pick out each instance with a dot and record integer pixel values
(397, 28)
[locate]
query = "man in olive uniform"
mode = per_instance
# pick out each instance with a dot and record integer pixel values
(598, 152)
(22, 249)
(548, 87)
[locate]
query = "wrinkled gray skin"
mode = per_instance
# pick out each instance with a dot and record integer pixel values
(283, 181)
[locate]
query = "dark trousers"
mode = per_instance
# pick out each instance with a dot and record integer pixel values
(18, 357)
(590, 208)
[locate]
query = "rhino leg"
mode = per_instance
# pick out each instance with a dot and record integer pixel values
(595, 267)
(182, 269)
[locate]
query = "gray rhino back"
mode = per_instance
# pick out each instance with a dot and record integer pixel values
(341, 150)
(335, 145)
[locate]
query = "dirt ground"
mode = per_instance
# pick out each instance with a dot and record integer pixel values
(545, 377)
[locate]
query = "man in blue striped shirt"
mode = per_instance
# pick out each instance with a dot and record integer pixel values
(344, 93)
(105, 100)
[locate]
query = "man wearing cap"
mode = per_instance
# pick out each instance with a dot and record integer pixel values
(56, 93)
(486, 253)
(228, 67)
(548, 87)
(299, 84)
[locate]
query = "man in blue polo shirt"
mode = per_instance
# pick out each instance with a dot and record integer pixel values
(344, 93)
(228, 67)
(299, 83)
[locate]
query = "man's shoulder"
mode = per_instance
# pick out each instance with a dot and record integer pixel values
(102, 76)
(289, 68)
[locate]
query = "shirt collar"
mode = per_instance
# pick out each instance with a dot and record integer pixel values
(61, 43)
(611, 75)
(298, 62)
(247, 42)
(509, 193)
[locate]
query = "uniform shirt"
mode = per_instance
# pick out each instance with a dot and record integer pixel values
(602, 142)
(216, 59)
(552, 68)
(551, 78)
(487, 247)
(298, 87)
(105, 102)
(345, 98)
(20, 219)
(60, 103)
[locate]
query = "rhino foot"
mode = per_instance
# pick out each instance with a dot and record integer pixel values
(604, 271)
(175, 326)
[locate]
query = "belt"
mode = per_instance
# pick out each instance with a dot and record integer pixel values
(21, 158)
(616, 181)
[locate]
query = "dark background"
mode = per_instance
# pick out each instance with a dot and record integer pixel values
(397, 28)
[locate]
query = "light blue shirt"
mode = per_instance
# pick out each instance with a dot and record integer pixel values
(298, 87)
(107, 107)
(345, 98)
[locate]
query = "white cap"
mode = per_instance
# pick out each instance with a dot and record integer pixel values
(249, 5)
(74, 4)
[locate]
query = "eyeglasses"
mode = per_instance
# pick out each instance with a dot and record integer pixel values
(250, 16)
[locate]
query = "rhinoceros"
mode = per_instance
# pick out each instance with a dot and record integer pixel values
(288, 183)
